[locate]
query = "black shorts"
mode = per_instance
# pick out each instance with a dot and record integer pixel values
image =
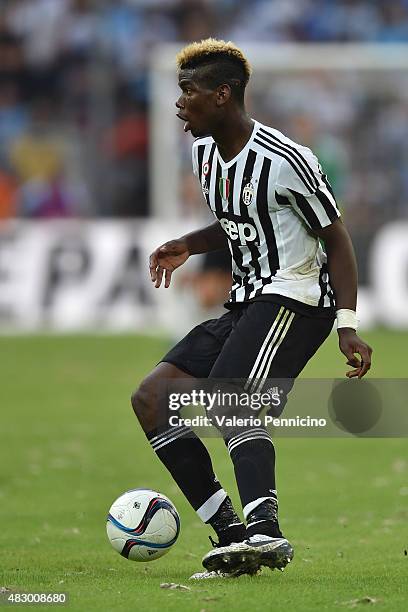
(257, 340)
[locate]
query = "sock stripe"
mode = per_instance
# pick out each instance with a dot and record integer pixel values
(249, 439)
(247, 433)
(166, 434)
(162, 443)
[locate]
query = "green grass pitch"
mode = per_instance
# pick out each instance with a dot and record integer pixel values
(70, 445)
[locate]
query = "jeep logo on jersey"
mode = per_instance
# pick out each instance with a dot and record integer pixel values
(244, 232)
(248, 193)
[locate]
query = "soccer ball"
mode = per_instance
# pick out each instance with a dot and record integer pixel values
(142, 525)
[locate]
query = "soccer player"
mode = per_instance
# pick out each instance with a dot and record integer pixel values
(272, 204)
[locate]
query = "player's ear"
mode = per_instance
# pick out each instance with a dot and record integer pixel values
(223, 94)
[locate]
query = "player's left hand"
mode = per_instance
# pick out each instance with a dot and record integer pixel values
(351, 345)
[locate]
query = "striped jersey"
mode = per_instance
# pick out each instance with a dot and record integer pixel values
(269, 199)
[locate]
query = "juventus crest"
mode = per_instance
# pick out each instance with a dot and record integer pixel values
(248, 193)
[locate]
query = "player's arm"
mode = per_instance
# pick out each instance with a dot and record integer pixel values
(342, 268)
(307, 189)
(171, 255)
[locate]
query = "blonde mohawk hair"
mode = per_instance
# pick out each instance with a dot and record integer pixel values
(211, 49)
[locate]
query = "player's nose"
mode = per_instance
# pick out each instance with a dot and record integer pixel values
(179, 103)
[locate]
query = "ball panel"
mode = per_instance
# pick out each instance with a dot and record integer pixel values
(145, 554)
(142, 525)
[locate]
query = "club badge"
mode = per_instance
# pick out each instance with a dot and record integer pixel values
(224, 187)
(248, 193)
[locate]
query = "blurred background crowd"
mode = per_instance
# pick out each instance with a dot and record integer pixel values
(74, 99)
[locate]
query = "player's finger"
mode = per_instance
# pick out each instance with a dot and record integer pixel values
(159, 276)
(167, 278)
(364, 369)
(153, 266)
(365, 352)
(353, 361)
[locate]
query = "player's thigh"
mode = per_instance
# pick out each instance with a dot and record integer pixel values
(269, 347)
(259, 325)
(197, 352)
(304, 337)
(270, 340)
(191, 358)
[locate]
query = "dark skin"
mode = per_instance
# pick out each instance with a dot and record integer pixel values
(217, 112)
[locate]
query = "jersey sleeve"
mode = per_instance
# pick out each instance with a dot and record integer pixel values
(302, 184)
(194, 159)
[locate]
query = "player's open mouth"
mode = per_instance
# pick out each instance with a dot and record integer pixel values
(186, 124)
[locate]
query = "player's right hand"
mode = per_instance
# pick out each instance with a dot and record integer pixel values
(165, 259)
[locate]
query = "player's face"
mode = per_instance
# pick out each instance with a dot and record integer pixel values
(196, 105)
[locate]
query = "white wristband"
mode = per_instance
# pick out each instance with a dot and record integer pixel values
(346, 318)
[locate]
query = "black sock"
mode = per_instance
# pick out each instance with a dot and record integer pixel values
(188, 461)
(253, 455)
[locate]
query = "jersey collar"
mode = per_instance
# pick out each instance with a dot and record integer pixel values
(243, 151)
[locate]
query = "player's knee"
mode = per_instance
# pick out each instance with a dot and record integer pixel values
(140, 400)
(144, 404)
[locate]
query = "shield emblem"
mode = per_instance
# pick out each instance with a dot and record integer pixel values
(224, 187)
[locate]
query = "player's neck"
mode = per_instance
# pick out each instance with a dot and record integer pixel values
(233, 134)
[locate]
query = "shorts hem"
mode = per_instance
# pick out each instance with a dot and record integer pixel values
(178, 365)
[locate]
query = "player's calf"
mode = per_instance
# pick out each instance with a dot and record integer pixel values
(185, 456)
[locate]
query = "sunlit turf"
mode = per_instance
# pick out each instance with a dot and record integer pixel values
(70, 445)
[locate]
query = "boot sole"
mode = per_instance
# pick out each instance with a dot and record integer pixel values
(244, 558)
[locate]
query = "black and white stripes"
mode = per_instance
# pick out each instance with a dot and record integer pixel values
(301, 178)
(255, 433)
(267, 352)
(299, 164)
(267, 199)
(169, 436)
